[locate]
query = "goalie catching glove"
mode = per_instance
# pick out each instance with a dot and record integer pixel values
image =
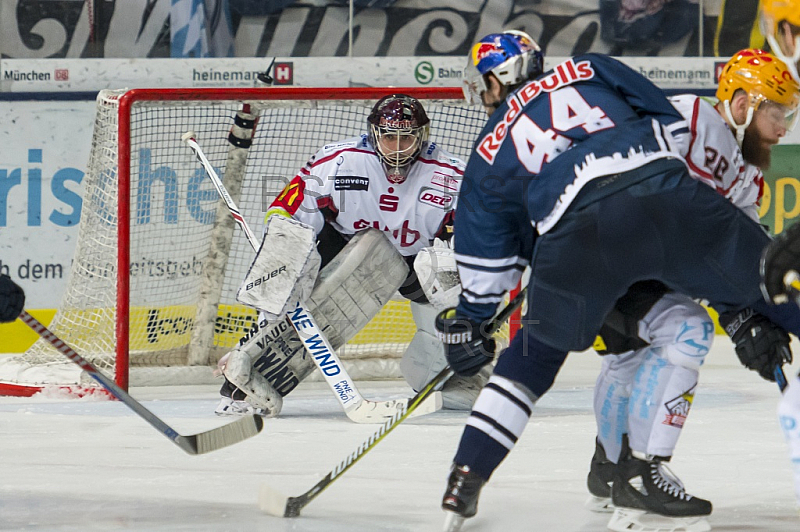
(438, 274)
(780, 263)
(468, 345)
(761, 345)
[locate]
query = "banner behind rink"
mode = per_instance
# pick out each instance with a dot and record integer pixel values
(47, 114)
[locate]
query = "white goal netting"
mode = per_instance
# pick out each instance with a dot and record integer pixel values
(175, 306)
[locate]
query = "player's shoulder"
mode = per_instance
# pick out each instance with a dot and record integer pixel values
(354, 143)
(436, 156)
(603, 61)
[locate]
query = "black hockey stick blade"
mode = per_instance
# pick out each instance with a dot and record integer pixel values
(200, 443)
(275, 503)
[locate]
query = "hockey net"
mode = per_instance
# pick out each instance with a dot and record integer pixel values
(151, 292)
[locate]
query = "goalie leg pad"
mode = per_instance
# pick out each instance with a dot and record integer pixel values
(459, 393)
(350, 291)
(424, 358)
(355, 285)
(260, 393)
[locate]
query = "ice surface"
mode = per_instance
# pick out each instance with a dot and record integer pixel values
(88, 464)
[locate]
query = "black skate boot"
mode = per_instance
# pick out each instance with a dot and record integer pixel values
(461, 497)
(599, 480)
(648, 496)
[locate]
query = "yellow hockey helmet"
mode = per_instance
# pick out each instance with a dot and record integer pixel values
(763, 77)
(773, 12)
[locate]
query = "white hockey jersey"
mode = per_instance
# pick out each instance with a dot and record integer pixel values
(345, 185)
(715, 158)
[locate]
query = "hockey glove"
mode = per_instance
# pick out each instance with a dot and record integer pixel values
(781, 257)
(468, 346)
(12, 299)
(760, 344)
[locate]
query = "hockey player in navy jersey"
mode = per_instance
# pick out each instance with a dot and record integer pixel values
(578, 174)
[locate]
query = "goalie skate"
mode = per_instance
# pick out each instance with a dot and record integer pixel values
(230, 407)
(265, 400)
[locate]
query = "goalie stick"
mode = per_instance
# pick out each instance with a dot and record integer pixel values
(355, 406)
(200, 443)
(275, 503)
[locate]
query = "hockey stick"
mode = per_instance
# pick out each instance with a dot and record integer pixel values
(204, 442)
(792, 282)
(275, 503)
(355, 406)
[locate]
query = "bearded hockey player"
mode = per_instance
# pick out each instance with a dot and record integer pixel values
(391, 181)
(659, 339)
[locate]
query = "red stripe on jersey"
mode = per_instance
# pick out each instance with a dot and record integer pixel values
(443, 165)
(693, 127)
(759, 180)
(334, 154)
(291, 196)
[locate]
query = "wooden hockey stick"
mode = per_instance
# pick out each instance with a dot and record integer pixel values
(275, 503)
(355, 406)
(204, 442)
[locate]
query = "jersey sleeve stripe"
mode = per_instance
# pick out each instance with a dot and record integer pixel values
(470, 260)
(459, 171)
(491, 269)
(336, 154)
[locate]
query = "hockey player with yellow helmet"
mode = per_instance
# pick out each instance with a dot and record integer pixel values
(655, 341)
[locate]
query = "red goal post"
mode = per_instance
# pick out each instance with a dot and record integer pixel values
(151, 291)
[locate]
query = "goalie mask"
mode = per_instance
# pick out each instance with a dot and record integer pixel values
(512, 56)
(398, 130)
(773, 14)
(764, 78)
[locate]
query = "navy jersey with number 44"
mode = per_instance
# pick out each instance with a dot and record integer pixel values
(588, 118)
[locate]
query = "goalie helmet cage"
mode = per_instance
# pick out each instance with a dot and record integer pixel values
(158, 261)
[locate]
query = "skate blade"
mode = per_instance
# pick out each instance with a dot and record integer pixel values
(599, 504)
(629, 520)
(452, 521)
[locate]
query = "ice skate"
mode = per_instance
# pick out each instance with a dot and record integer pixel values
(650, 498)
(232, 403)
(599, 481)
(461, 498)
(229, 407)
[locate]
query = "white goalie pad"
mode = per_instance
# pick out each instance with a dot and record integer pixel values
(357, 283)
(350, 291)
(425, 357)
(284, 269)
(437, 272)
